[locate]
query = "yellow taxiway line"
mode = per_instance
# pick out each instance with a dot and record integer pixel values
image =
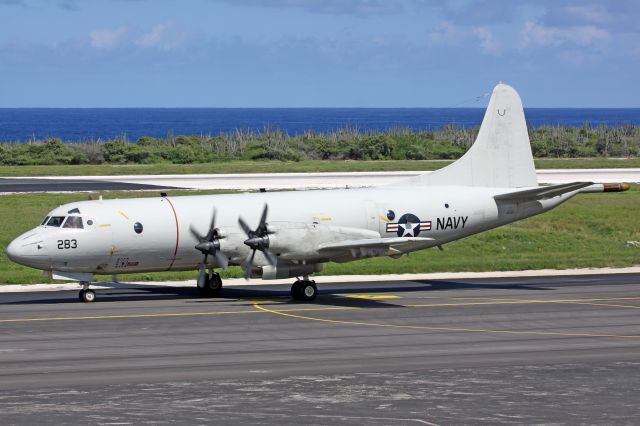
(163, 315)
(449, 329)
(257, 304)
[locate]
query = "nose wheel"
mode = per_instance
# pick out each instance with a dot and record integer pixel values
(305, 290)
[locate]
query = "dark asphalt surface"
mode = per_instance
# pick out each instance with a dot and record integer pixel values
(561, 350)
(70, 185)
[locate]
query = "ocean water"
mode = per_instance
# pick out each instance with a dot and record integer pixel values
(78, 124)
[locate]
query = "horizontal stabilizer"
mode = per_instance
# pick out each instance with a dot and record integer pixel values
(542, 192)
(401, 244)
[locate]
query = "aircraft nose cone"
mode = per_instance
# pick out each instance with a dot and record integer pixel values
(14, 251)
(28, 250)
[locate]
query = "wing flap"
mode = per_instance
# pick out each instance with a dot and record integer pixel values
(397, 244)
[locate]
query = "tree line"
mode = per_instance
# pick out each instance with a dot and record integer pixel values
(449, 142)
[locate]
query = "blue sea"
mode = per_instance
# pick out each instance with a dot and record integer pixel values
(81, 124)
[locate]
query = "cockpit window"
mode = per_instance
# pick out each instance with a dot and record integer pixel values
(74, 210)
(55, 221)
(46, 219)
(73, 222)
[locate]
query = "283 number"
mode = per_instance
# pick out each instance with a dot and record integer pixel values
(67, 244)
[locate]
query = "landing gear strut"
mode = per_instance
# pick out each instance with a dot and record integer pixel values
(305, 290)
(209, 285)
(86, 295)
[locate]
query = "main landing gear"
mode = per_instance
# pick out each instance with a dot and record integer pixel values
(305, 290)
(86, 295)
(209, 285)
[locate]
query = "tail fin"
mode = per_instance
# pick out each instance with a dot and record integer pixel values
(501, 155)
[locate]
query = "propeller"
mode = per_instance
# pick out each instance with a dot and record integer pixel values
(257, 240)
(209, 245)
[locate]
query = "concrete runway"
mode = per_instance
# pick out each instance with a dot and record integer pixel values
(71, 185)
(276, 181)
(561, 350)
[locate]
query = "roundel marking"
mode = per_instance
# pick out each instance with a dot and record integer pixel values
(408, 225)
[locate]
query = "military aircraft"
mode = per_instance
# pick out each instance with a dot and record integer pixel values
(293, 234)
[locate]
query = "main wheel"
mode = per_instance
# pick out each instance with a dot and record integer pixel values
(308, 290)
(296, 290)
(87, 296)
(212, 285)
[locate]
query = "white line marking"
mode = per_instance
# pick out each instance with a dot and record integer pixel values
(232, 282)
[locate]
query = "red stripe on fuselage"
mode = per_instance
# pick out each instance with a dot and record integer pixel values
(175, 216)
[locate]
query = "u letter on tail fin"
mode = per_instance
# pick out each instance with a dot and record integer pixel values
(501, 155)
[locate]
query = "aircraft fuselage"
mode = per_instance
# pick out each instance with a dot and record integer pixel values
(152, 234)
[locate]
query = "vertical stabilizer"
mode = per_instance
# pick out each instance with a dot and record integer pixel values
(500, 156)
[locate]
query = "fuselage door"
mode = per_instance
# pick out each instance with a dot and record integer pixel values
(372, 219)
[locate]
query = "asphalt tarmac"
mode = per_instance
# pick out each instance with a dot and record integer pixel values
(494, 351)
(70, 185)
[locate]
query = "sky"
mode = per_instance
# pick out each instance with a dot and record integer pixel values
(317, 53)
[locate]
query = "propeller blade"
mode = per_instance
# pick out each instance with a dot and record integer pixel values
(262, 226)
(247, 230)
(270, 257)
(212, 226)
(221, 260)
(201, 274)
(195, 233)
(248, 265)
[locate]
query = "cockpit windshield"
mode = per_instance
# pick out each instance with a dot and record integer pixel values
(73, 222)
(55, 221)
(44, 222)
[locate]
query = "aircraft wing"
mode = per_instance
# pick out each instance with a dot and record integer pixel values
(542, 193)
(378, 246)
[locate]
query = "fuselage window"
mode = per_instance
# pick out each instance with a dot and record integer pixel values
(46, 219)
(73, 222)
(55, 221)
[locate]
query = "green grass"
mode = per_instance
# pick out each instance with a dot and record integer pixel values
(274, 166)
(590, 230)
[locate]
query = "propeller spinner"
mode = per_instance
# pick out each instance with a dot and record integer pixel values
(258, 240)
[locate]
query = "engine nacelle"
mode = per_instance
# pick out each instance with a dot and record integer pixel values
(289, 271)
(295, 241)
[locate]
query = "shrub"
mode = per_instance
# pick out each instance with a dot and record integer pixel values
(448, 143)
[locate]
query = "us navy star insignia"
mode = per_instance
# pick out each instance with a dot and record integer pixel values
(409, 229)
(409, 225)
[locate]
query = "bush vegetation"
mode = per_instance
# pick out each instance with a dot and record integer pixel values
(344, 144)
